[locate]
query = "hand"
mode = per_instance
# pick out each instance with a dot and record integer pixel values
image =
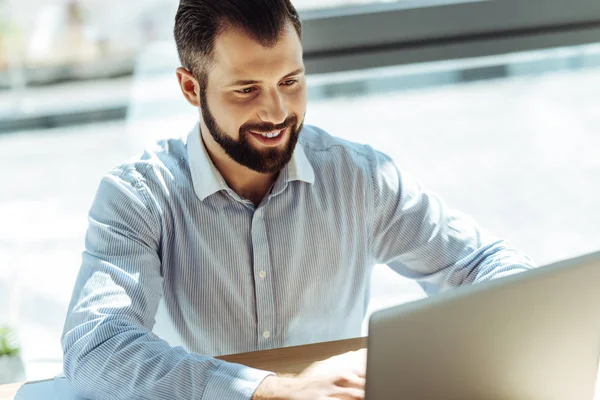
(354, 362)
(341, 377)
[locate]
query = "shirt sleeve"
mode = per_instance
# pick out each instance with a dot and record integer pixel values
(419, 237)
(109, 349)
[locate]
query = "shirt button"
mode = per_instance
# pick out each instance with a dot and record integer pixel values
(266, 334)
(262, 274)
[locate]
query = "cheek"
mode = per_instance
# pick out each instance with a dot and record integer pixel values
(299, 107)
(239, 115)
(230, 116)
(298, 104)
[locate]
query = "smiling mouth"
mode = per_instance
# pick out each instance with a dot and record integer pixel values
(269, 135)
(272, 138)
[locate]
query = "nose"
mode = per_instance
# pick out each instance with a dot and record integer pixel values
(273, 109)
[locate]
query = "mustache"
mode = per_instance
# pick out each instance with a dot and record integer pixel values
(267, 127)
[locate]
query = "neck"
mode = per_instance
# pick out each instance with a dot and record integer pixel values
(245, 182)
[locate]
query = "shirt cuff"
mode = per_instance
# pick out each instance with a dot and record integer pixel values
(234, 382)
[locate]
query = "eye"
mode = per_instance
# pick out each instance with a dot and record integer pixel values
(247, 90)
(290, 82)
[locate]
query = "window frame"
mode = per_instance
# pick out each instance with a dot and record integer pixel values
(413, 31)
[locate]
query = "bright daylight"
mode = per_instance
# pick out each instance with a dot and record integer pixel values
(299, 199)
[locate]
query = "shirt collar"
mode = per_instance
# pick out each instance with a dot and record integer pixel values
(207, 179)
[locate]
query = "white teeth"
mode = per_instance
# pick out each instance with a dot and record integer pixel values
(271, 134)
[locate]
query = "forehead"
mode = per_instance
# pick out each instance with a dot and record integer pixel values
(237, 55)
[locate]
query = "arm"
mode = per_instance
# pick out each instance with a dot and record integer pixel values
(109, 349)
(419, 237)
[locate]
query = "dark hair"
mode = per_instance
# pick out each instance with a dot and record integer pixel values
(198, 22)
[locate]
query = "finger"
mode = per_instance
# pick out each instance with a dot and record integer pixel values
(351, 381)
(361, 355)
(361, 363)
(350, 394)
(360, 372)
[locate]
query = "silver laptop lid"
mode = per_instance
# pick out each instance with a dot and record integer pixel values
(534, 336)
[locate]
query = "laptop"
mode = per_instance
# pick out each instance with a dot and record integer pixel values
(530, 336)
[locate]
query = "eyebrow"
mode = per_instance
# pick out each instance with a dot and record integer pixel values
(243, 82)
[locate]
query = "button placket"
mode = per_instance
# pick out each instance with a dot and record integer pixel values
(265, 306)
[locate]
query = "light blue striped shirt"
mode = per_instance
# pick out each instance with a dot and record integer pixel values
(236, 278)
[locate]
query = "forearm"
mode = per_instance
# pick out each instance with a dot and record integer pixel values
(420, 237)
(498, 260)
(116, 361)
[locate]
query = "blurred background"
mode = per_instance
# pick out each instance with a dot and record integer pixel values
(493, 104)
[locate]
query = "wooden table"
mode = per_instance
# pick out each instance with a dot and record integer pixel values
(287, 360)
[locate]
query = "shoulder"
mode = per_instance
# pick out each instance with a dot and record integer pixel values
(332, 156)
(161, 166)
(319, 144)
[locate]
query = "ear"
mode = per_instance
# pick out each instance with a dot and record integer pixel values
(189, 86)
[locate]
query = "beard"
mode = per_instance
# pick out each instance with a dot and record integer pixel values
(265, 160)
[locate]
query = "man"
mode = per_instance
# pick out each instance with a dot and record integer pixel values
(257, 231)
